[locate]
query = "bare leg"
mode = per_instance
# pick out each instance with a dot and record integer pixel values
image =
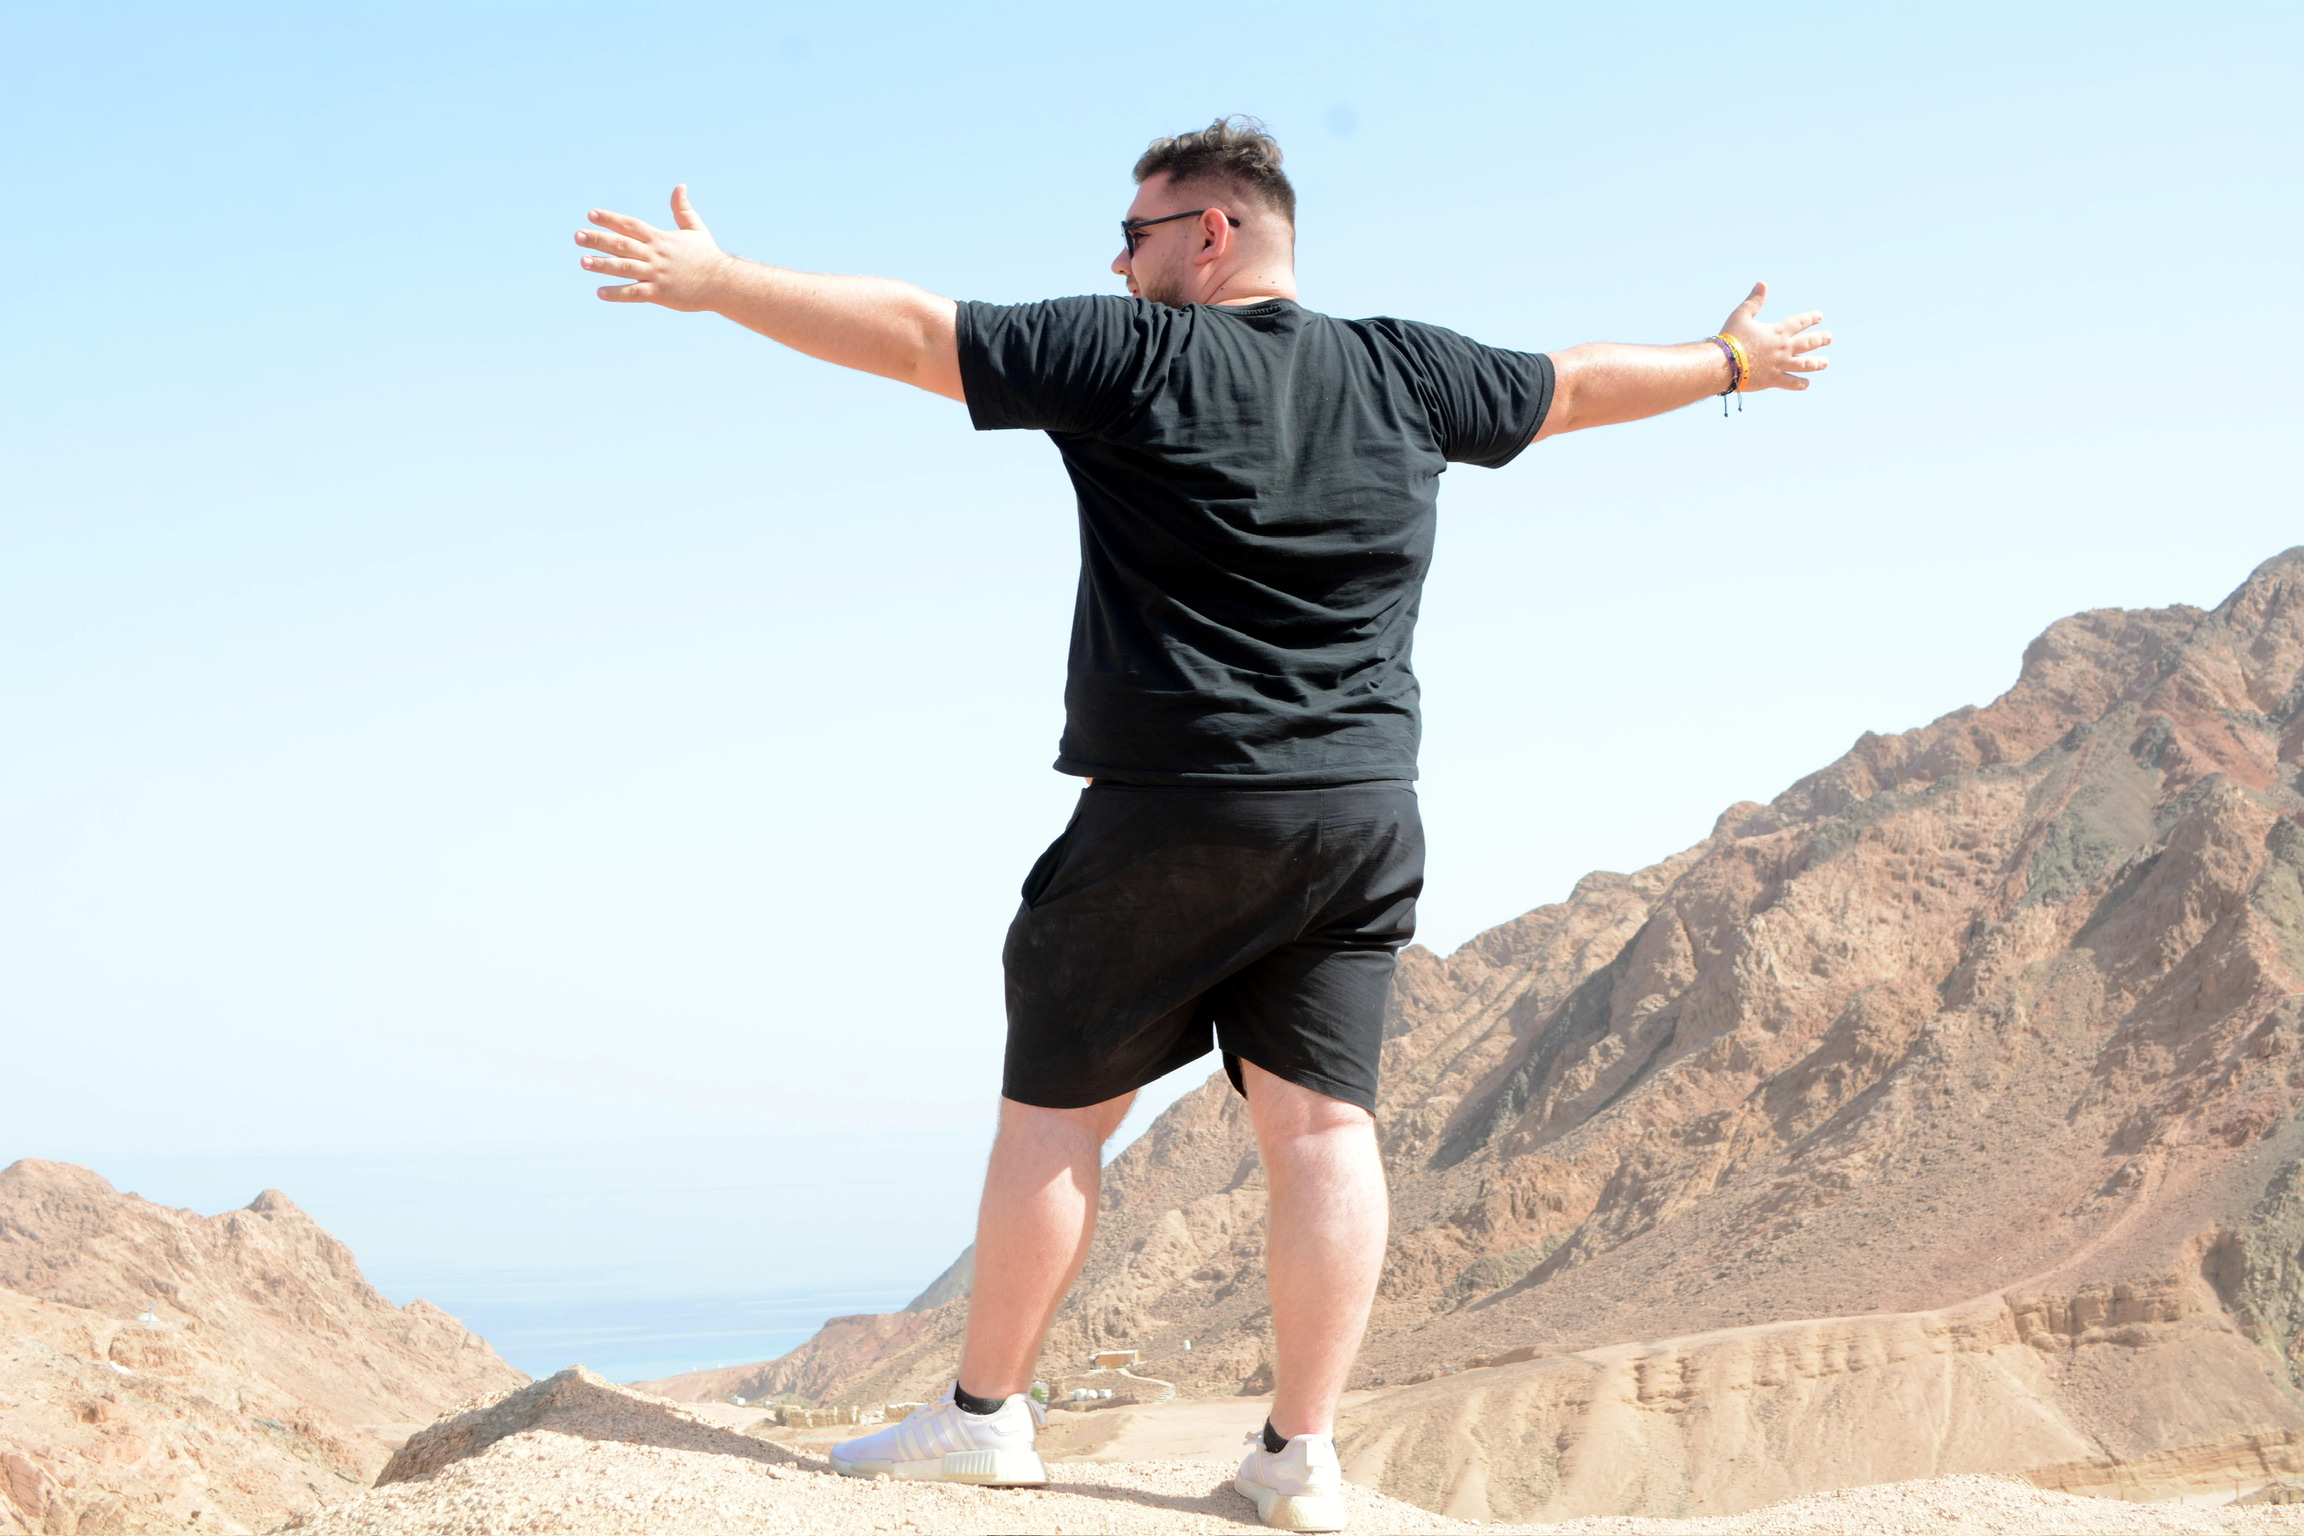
(1032, 1235)
(1324, 1246)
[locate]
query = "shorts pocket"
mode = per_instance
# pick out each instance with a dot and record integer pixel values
(1044, 870)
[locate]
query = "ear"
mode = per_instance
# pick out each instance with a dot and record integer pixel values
(1216, 234)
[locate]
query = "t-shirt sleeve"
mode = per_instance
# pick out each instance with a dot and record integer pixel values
(1487, 403)
(1060, 365)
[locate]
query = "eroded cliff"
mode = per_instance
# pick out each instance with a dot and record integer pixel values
(166, 1371)
(1994, 1018)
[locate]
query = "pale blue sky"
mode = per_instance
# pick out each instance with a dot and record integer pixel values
(446, 708)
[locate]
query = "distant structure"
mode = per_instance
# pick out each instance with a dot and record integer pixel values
(1119, 1362)
(794, 1416)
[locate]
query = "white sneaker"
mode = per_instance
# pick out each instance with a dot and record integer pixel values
(941, 1444)
(1299, 1488)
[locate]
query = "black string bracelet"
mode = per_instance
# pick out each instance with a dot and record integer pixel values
(1738, 372)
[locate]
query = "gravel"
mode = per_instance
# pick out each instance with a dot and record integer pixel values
(548, 1481)
(579, 1455)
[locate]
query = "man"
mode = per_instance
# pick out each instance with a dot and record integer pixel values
(1256, 485)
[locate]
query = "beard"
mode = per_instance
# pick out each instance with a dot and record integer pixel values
(1161, 288)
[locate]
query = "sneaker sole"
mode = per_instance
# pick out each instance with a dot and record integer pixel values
(1293, 1511)
(992, 1469)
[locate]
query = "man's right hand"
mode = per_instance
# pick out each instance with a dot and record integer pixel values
(679, 268)
(871, 324)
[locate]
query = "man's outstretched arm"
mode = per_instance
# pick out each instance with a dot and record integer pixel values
(873, 324)
(1604, 382)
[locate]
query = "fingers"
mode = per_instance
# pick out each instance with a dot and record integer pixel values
(1750, 308)
(614, 245)
(615, 266)
(623, 224)
(1802, 344)
(1800, 322)
(1808, 365)
(629, 293)
(683, 211)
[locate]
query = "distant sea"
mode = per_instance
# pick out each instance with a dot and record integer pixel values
(638, 1258)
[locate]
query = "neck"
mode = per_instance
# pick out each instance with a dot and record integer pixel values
(1253, 286)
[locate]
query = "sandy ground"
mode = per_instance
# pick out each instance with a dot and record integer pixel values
(597, 1460)
(545, 1481)
(1208, 1429)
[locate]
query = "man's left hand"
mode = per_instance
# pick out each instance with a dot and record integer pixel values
(1778, 349)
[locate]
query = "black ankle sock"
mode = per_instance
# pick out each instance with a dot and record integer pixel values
(1274, 1441)
(969, 1402)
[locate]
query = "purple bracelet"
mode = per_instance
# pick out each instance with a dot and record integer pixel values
(1735, 374)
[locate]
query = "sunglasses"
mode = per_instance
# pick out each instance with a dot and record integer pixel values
(1131, 228)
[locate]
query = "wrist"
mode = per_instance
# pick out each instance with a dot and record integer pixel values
(1736, 360)
(709, 285)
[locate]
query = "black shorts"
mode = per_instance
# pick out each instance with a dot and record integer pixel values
(1266, 917)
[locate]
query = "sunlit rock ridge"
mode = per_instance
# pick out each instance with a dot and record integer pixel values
(161, 1370)
(1938, 1116)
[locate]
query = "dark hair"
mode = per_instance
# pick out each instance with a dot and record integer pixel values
(1233, 150)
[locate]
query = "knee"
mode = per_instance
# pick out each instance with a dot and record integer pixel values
(1091, 1124)
(1330, 1118)
(1286, 1111)
(1344, 1136)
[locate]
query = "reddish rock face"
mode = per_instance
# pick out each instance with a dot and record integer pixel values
(165, 1371)
(2006, 1006)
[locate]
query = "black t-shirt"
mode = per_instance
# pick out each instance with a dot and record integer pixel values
(1256, 487)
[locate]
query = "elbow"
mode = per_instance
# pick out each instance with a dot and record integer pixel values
(936, 368)
(1570, 373)
(1560, 416)
(936, 362)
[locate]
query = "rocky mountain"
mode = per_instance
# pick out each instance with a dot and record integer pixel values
(166, 1371)
(1939, 1116)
